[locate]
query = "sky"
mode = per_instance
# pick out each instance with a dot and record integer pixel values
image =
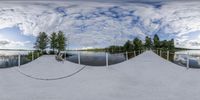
(99, 23)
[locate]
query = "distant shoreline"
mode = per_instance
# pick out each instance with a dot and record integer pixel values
(16, 50)
(99, 49)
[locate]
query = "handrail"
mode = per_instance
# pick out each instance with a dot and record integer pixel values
(49, 79)
(127, 55)
(33, 56)
(187, 57)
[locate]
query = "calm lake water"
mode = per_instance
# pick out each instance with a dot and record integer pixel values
(98, 58)
(10, 58)
(180, 58)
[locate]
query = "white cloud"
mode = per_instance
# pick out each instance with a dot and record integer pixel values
(91, 24)
(9, 44)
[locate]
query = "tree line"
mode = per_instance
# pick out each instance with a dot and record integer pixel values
(56, 42)
(149, 43)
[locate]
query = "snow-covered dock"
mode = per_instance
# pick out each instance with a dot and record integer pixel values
(145, 77)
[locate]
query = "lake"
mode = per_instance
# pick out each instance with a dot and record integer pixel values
(10, 58)
(180, 57)
(92, 58)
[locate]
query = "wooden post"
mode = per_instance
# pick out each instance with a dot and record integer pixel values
(65, 55)
(126, 55)
(107, 59)
(32, 55)
(161, 53)
(134, 54)
(79, 58)
(38, 54)
(19, 59)
(188, 61)
(167, 55)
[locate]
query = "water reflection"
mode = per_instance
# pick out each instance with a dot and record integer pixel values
(10, 58)
(194, 57)
(93, 58)
(181, 57)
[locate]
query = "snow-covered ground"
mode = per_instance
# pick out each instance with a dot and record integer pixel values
(145, 77)
(47, 68)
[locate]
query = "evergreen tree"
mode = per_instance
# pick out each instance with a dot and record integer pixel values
(137, 44)
(61, 41)
(156, 41)
(140, 45)
(53, 41)
(128, 46)
(164, 44)
(148, 42)
(171, 44)
(41, 41)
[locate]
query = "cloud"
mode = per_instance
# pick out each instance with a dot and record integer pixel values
(95, 24)
(9, 44)
(4, 42)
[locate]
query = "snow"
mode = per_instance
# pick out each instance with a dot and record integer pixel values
(145, 77)
(56, 70)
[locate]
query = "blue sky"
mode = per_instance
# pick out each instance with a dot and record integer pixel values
(15, 39)
(97, 23)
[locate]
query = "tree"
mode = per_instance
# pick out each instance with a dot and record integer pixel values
(164, 44)
(140, 45)
(41, 41)
(53, 41)
(156, 41)
(128, 46)
(137, 44)
(171, 44)
(114, 48)
(61, 41)
(148, 42)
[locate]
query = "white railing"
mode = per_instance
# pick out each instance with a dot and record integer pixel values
(79, 56)
(167, 55)
(32, 57)
(107, 59)
(134, 53)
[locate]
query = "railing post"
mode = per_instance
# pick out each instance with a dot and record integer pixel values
(106, 59)
(19, 59)
(188, 61)
(126, 55)
(161, 53)
(65, 55)
(32, 56)
(79, 58)
(134, 54)
(38, 54)
(167, 55)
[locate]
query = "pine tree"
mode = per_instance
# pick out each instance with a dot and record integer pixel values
(128, 46)
(171, 44)
(41, 41)
(61, 41)
(156, 41)
(137, 44)
(53, 41)
(148, 42)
